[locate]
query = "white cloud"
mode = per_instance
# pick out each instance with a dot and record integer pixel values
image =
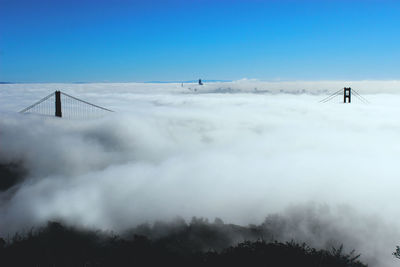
(167, 152)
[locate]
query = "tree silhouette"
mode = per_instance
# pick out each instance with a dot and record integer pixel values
(397, 252)
(195, 244)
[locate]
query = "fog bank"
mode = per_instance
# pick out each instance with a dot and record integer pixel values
(238, 156)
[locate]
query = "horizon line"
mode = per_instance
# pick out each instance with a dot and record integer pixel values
(212, 81)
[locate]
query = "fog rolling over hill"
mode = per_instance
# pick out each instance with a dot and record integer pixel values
(238, 151)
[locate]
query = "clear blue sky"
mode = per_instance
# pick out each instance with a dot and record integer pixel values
(149, 40)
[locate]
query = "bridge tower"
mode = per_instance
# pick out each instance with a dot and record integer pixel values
(58, 104)
(347, 95)
(71, 107)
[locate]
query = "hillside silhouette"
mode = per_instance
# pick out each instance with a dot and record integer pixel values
(198, 243)
(11, 174)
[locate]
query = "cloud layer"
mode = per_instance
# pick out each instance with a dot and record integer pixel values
(168, 152)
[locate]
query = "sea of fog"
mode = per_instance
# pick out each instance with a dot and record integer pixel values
(238, 151)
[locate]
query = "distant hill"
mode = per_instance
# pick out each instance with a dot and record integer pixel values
(191, 81)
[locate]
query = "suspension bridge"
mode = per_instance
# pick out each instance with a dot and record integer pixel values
(63, 105)
(345, 95)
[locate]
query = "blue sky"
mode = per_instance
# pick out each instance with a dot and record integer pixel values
(150, 40)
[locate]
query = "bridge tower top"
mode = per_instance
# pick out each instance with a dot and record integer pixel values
(60, 104)
(347, 95)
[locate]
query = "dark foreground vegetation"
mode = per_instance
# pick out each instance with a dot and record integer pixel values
(10, 175)
(396, 253)
(196, 244)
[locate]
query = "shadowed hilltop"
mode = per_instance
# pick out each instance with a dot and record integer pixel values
(196, 244)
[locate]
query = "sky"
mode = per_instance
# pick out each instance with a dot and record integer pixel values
(176, 40)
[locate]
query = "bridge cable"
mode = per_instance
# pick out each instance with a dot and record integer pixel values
(90, 104)
(37, 103)
(331, 96)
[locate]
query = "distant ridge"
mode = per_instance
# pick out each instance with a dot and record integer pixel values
(191, 81)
